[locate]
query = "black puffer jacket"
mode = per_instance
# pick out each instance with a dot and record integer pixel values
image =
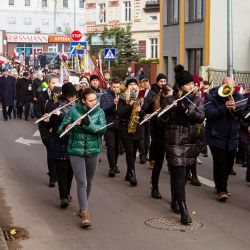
(182, 131)
(24, 90)
(109, 108)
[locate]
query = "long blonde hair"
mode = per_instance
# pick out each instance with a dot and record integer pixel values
(128, 93)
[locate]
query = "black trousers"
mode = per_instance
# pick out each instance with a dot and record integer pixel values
(159, 152)
(223, 161)
(130, 147)
(51, 162)
(65, 175)
(20, 106)
(178, 183)
(6, 112)
(144, 143)
(113, 147)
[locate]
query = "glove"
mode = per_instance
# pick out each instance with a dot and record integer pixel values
(85, 121)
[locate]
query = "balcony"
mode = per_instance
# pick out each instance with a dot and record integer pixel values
(152, 6)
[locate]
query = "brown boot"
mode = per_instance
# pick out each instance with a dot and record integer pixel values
(85, 219)
(151, 164)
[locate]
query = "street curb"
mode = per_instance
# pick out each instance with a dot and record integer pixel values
(3, 244)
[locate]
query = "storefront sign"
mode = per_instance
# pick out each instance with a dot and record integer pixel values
(99, 29)
(97, 40)
(60, 39)
(24, 38)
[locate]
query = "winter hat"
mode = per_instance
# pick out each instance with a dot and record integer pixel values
(182, 76)
(94, 77)
(68, 89)
(161, 76)
(130, 80)
(26, 73)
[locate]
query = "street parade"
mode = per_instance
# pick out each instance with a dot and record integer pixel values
(121, 140)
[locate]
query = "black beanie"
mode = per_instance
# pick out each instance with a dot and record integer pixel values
(130, 80)
(161, 76)
(93, 77)
(68, 89)
(182, 76)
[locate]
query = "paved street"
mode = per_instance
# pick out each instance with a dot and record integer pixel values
(118, 211)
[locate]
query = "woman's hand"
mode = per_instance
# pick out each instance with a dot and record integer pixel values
(68, 127)
(47, 118)
(131, 103)
(138, 109)
(248, 129)
(56, 112)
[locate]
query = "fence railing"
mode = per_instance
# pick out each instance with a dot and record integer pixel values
(216, 76)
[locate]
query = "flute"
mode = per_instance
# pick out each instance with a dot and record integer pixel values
(51, 113)
(80, 118)
(174, 102)
(150, 116)
(104, 127)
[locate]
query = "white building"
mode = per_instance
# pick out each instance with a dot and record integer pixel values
(143, 15)
(40, 17)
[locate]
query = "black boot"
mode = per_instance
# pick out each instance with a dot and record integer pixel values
(155, 192)
(188, 175)
(112, 172)
(194, 180)
(132, 178)
(175, 207)
(185, 217)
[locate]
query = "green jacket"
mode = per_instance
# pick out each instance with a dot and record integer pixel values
(83, 140)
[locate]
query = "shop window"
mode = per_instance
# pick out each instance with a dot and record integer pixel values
(52, 47)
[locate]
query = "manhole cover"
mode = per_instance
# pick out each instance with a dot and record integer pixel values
(14, 233)
(173, 224)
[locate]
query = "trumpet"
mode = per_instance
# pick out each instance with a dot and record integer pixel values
(168, 107)
(80, 118)
(53, 111)
(150, 116)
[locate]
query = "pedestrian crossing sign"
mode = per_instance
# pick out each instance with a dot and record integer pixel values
(109, 54)
(79, 46)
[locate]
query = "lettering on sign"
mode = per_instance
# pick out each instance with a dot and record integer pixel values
(18, 38)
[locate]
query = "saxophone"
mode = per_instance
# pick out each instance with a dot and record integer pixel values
(134, 118)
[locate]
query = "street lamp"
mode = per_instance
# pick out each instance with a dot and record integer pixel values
(229, 40)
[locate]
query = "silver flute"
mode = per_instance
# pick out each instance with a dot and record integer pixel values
(168, 107)
(80, 118)
(53, 111)
(150, 116)
(104, 127)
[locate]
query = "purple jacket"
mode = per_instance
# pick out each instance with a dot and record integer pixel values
(7, 90)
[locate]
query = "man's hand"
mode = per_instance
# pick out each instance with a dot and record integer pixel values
(230, 104)
(116, 100)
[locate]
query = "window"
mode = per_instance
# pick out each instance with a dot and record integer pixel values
(45, 21)
(153, 47)
(195, 10)
(27, 2)
(52, 47)
(102, 13)
(27, 21)
(195, 60)
(153, 19)
(81, 4)
(65, 22)
(11, 2)
(44, 3)
(65, 3)
(12, 20)
(172, 11)
(127, 11)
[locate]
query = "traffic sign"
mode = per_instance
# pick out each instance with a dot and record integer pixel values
(77, 48)
(76, 35)
(109, 54)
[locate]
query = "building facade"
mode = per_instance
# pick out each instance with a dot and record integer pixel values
(194, 33)
(39, 25)
(143, 15)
